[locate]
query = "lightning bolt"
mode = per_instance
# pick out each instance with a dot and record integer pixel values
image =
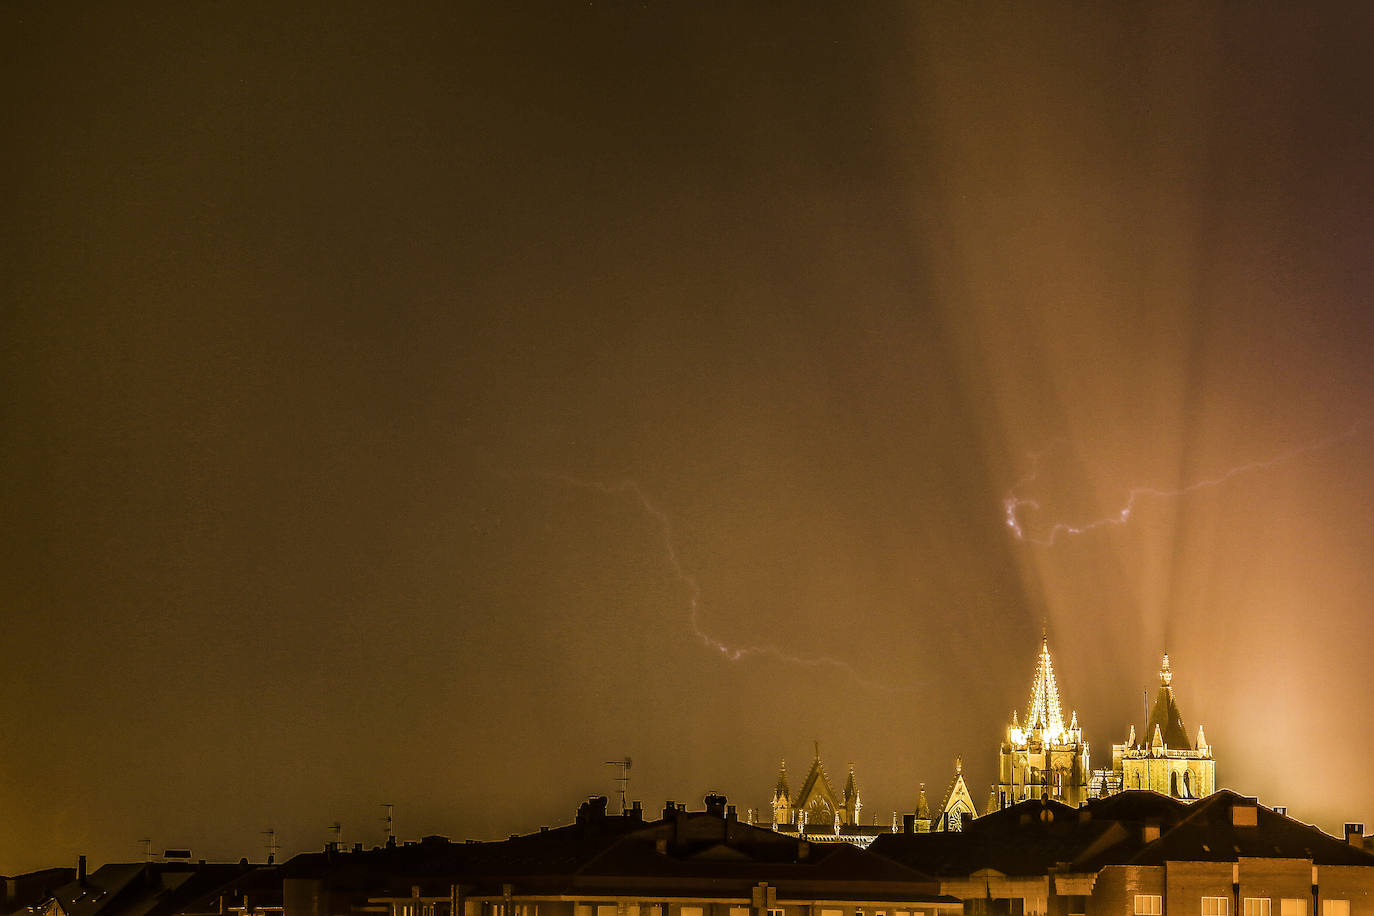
(632, 490)
(1013, 505)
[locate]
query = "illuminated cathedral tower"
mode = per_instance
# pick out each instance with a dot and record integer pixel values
(1043, 757)
(1165, 760)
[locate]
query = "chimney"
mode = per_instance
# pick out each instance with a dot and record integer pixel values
(715, 805)
(908, 823)
(669, 809)
(1354, 835)
(593, 810)
(636, 812)
(81, 866)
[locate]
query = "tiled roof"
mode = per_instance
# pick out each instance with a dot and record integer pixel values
(1208, 834)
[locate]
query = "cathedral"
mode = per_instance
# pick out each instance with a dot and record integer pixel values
(819, 814)
(1042, 757)
(817, 810)
(1165, 760)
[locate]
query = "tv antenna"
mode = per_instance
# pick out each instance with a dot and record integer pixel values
(147, 849)
(272, 845)
(337, 828)
(622, 777)
(390, 825)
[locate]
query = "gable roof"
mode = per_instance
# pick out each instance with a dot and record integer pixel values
(1208, 834)
(817, 785)
(957, 797)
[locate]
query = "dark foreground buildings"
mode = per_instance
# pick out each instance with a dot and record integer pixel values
(1136, 853)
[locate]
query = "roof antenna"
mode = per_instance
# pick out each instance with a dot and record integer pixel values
(337, 827)
(272, 847)
(390, 825)
(622, 777)
(147, 849)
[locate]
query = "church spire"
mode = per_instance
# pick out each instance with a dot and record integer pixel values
(781, 790)
(1045, 711)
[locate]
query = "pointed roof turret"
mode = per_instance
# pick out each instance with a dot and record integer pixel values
(922, 805)
(1164, 715)
(1201, 740)
(1158, 740)
(781, 790)
(851, 791)
(1044, 710)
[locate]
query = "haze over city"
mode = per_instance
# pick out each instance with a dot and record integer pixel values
(427, 406)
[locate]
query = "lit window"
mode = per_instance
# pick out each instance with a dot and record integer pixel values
(1147, 904)
(1256, 906)
(1335, 908)
(1292, 906)
(777, 912)
(1216, 906)
(690, 911)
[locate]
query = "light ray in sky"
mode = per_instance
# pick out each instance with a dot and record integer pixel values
(1013, 504)
(735, 653)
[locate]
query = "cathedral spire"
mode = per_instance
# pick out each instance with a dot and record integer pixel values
(781, 790)
(1044, 710)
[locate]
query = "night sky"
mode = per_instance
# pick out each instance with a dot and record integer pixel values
(424, 407)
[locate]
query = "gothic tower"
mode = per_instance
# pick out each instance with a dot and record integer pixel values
(1043, 757)
(1166, 760)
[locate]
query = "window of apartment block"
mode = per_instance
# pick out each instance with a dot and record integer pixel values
(739, 911)
(1292, 906)
(841, 913)
(1256, 906)
(1216, 906)
(1147, 904)
(778, 912)
(1335, 908)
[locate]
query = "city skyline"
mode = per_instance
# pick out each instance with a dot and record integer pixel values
(425, 406)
